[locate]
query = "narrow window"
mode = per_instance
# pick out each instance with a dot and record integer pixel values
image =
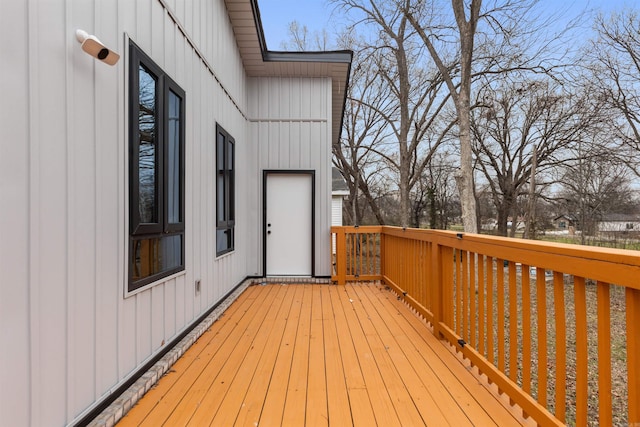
(156, 172)
(225, 192)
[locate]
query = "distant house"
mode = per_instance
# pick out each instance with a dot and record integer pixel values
(339, 190)
(619, 224)
(564, 222)
(138, 193)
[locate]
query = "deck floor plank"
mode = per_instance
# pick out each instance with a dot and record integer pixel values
(296, 400)
(249, 413)
(206, 390)
(317, 413)
(381, 401)
(275, 398)
(337, 394)
(234, 399)
(319, 355)
(361, 409)
(394, 383)
(170, 392)
(473, 396)
(428, 394)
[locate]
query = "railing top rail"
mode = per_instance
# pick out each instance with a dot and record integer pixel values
(616, 266)
(359, 229)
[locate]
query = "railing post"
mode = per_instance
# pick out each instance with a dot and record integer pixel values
(381, 270)
(633, 356)
(441, 278)
(341, 256)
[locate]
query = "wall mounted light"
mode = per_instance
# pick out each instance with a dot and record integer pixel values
(95, 48)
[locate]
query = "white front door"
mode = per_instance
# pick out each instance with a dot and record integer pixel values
(289, 224)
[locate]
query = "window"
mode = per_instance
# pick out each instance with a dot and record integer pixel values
(156, 172)
(225, 192)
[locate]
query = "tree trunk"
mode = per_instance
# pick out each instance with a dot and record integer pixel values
(463, 106)
(530, 229)
(503, 218)
(464, 177)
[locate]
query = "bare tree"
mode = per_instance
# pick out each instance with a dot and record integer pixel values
(594, 184)
(473, 38)
(520, 123)
(355, 153)
(414, 113)
(466, 15)
(615, 76)
(300, 39)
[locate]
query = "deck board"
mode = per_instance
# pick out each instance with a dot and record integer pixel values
(320, 355)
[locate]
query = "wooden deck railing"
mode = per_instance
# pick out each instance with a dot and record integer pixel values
(556, 327)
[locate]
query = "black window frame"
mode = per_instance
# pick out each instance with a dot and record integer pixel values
(161, 227)
(225, 220)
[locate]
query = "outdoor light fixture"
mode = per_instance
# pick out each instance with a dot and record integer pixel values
(95, 48)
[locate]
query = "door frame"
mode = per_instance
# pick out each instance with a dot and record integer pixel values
(265, 175)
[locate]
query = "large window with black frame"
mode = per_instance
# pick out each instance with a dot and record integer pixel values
(225, 192)
(156, 172)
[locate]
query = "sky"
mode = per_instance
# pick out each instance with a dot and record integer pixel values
(317, 14)
(277, 14)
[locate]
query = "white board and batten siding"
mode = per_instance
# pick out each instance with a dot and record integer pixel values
(69, 333)
(291, 127)
(336, 210)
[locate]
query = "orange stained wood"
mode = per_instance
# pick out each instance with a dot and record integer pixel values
(321, 355)
(604, 353)
(542, 336)
(582, 359)
(561, 346)
(526, 326)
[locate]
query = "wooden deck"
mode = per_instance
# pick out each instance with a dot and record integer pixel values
(319, 355)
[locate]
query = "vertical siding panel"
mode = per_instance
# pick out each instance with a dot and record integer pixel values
(305, 145)
(180, 304)
(169, 310)
(50, 284)
(210, 212)
(284, 145)
(143, 24)
(109, 171)
(306, 99)
(82, 228)
(127, 18)
(127, 348)
(14, 192)
(253, 196)
(169, 51)
(195, 236)
(157, 334)
(284, 91)
(274, 146)
(195, 22)
(294, 148)
(157, 20)
(143, 325)
(35, 204)
(323, 260)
